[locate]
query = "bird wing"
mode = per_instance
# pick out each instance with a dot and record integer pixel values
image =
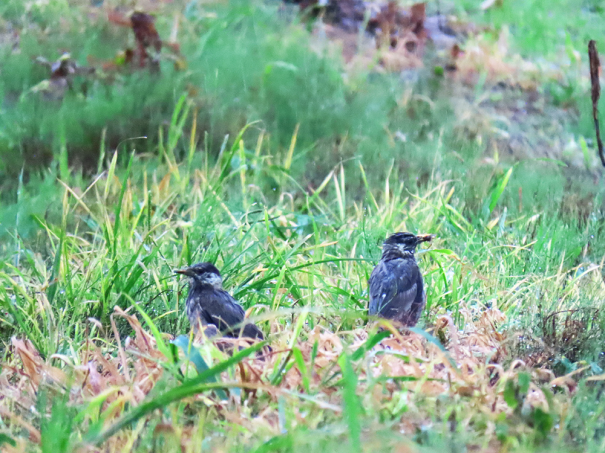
(222, 310)
(393, 289)
(382, 288)
(419, 302)
(219, 308)
(251, 331)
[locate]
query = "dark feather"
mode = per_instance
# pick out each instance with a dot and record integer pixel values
(397, 290)
(419, 303)
(208, 305)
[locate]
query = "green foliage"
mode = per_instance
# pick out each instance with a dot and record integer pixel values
(240, 73)
(541, 28)
(198, 361)
(516, 392)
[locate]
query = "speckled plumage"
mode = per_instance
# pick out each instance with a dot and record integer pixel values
(396, 284)
(210, 305)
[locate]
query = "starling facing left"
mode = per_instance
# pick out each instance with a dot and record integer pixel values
(211, 306)
(396, 284)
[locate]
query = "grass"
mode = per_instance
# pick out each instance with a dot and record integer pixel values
(297, 262)
(542, 32)
(292, 208)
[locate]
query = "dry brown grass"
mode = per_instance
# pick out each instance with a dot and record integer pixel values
(471, 368)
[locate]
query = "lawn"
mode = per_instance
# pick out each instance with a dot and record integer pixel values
(251, 140)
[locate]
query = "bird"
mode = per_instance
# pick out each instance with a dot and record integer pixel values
(214, 308)
(396, 284)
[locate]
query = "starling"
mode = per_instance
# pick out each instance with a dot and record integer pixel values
(214, 308)
(396, 285)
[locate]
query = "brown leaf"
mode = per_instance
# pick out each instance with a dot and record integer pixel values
(32, 362)
(146, 36)
(62, 72)
(34, 434)
(455, 51)
(116, 18)
(418, 16)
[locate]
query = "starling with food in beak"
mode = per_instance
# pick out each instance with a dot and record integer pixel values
(214, 308)
(396, 284)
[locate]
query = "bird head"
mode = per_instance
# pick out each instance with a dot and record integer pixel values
(203, 274)
(404, 243)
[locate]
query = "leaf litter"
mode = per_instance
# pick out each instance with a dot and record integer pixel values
(146, 54)
(396, 38)
(475, 365)
(62, 73)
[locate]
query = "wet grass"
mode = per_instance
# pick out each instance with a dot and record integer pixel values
(293, 210)
(297, 261)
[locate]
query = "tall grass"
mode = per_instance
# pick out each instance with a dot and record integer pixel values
(118, 239)
(245, 64)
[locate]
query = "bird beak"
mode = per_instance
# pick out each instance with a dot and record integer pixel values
(425, 237)
(187, 271)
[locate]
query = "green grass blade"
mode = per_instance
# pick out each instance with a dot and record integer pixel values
(54, 278)
(118, 208)
(497, 193)
(162, 347)
(352, 407)
(227, 158)
(194, 356)
(369, 344)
